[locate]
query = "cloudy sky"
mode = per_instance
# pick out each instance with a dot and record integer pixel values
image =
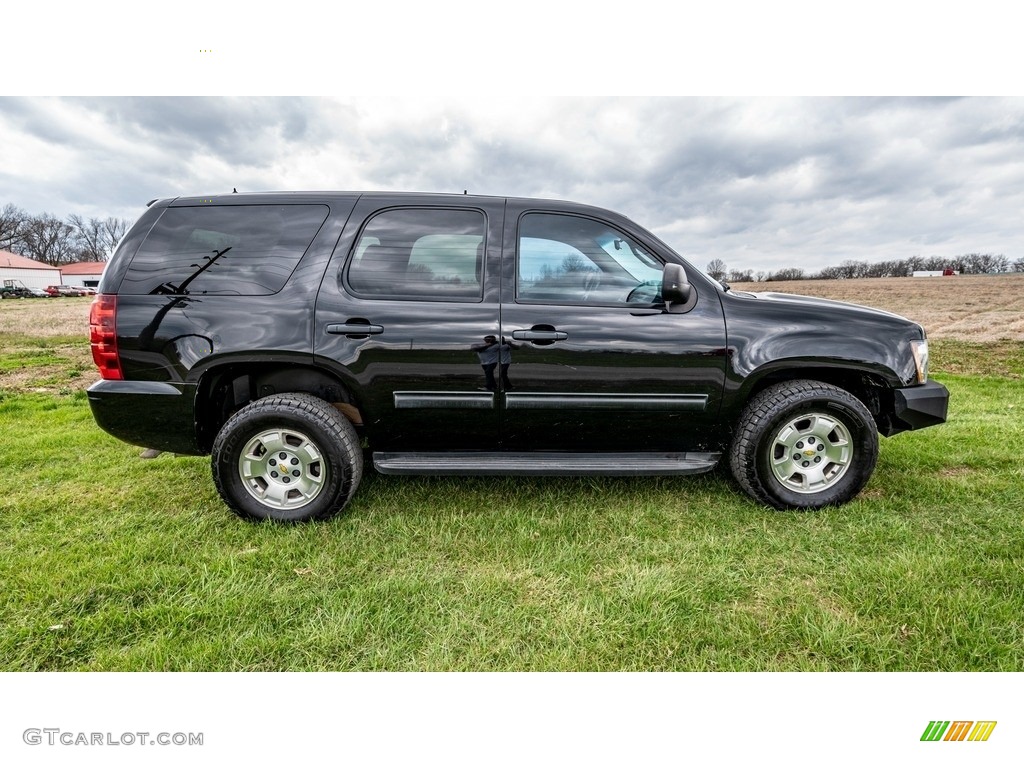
(760, 183)
(515, 105)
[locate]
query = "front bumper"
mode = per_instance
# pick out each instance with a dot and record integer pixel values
(918, 407)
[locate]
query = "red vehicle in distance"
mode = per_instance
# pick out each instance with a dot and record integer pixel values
(68, 290)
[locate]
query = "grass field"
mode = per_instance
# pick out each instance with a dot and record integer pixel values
(110, 562)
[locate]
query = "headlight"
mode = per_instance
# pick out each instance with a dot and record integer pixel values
(920, 350)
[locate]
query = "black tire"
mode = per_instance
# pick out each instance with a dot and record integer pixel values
(804, 445)
(313, 461)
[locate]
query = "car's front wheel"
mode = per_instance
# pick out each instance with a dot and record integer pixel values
(290, 457)
(804, 445)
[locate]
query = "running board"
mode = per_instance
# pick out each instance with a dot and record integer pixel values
(540, 463)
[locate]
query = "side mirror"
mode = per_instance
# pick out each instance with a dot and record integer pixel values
(675, 289)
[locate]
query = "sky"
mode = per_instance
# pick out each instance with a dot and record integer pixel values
(759, 182)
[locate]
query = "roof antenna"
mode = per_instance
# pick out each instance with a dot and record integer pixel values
(234, 190)
(465, 191)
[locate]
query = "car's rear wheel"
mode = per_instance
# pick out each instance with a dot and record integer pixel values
(290, 458)
(804, 445)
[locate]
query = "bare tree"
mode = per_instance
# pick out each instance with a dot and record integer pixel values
(12, 226)
(716, 268)
(957, 263)
(89, 238)
(49, 240)
(850, 269)
(790, 273)
(741, 276)
(96, 238)
(830, 273)
(114, 229)
(985, 263)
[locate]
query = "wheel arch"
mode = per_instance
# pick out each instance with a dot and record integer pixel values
(872, 387)
(224, 390)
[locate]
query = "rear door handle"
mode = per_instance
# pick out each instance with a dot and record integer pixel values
(355, 330)
(539, 335)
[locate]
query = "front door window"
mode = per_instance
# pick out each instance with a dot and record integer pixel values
(573, 260)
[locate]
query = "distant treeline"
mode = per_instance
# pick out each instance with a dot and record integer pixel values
(54, 241)
(967, 264)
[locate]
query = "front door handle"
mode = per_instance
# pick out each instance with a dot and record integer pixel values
(355, 329)
(533, 335)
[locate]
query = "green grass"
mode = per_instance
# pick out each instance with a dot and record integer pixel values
(996, 358)
(111, 562)
(51, 364)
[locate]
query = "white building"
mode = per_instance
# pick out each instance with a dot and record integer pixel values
(83, 274)
(27, 272)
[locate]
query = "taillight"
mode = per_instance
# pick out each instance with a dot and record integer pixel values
(103, 336)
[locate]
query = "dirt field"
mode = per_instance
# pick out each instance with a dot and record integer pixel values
(45, 317)
(976, 308)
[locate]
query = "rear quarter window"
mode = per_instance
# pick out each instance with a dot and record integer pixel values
(231, 250)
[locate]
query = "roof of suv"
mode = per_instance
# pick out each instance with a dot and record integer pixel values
(310, 195)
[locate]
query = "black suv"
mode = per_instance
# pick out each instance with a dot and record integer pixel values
(467, 335)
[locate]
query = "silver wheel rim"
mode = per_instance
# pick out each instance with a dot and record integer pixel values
(282, 469)
(811, 453)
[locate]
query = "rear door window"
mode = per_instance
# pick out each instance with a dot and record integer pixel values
(231, 250)
(420, 253)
